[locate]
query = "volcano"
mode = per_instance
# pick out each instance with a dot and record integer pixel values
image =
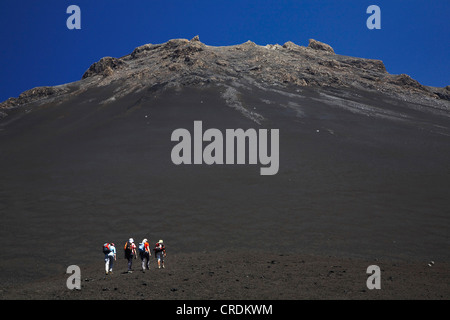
(363, 172)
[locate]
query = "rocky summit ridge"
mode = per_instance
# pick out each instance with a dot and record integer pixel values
(180, 62)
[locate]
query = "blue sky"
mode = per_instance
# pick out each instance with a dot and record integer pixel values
(37, 49)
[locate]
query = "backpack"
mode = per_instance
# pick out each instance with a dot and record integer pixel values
(159, 247)
(127, 248)
(106, 248)
(141, 247)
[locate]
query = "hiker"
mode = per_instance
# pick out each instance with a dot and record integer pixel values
(109, 250)
(130, 253)
(160, 253)
(145, 253)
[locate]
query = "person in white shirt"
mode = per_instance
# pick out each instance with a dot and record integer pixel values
(110, 257)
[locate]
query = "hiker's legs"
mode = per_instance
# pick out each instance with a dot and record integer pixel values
(107, 264)
(111, 263)
(130, 262)
(144, 262)
(160, 257)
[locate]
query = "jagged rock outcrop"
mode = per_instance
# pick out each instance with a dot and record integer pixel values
(183, 62)
(291, 46)
(317, 45)
(104, 67)
(405, 81)
(32, 95)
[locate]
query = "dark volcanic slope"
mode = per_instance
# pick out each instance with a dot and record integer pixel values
(253, 276)
(364, 158)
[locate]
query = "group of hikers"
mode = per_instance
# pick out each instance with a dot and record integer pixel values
(109, 249)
